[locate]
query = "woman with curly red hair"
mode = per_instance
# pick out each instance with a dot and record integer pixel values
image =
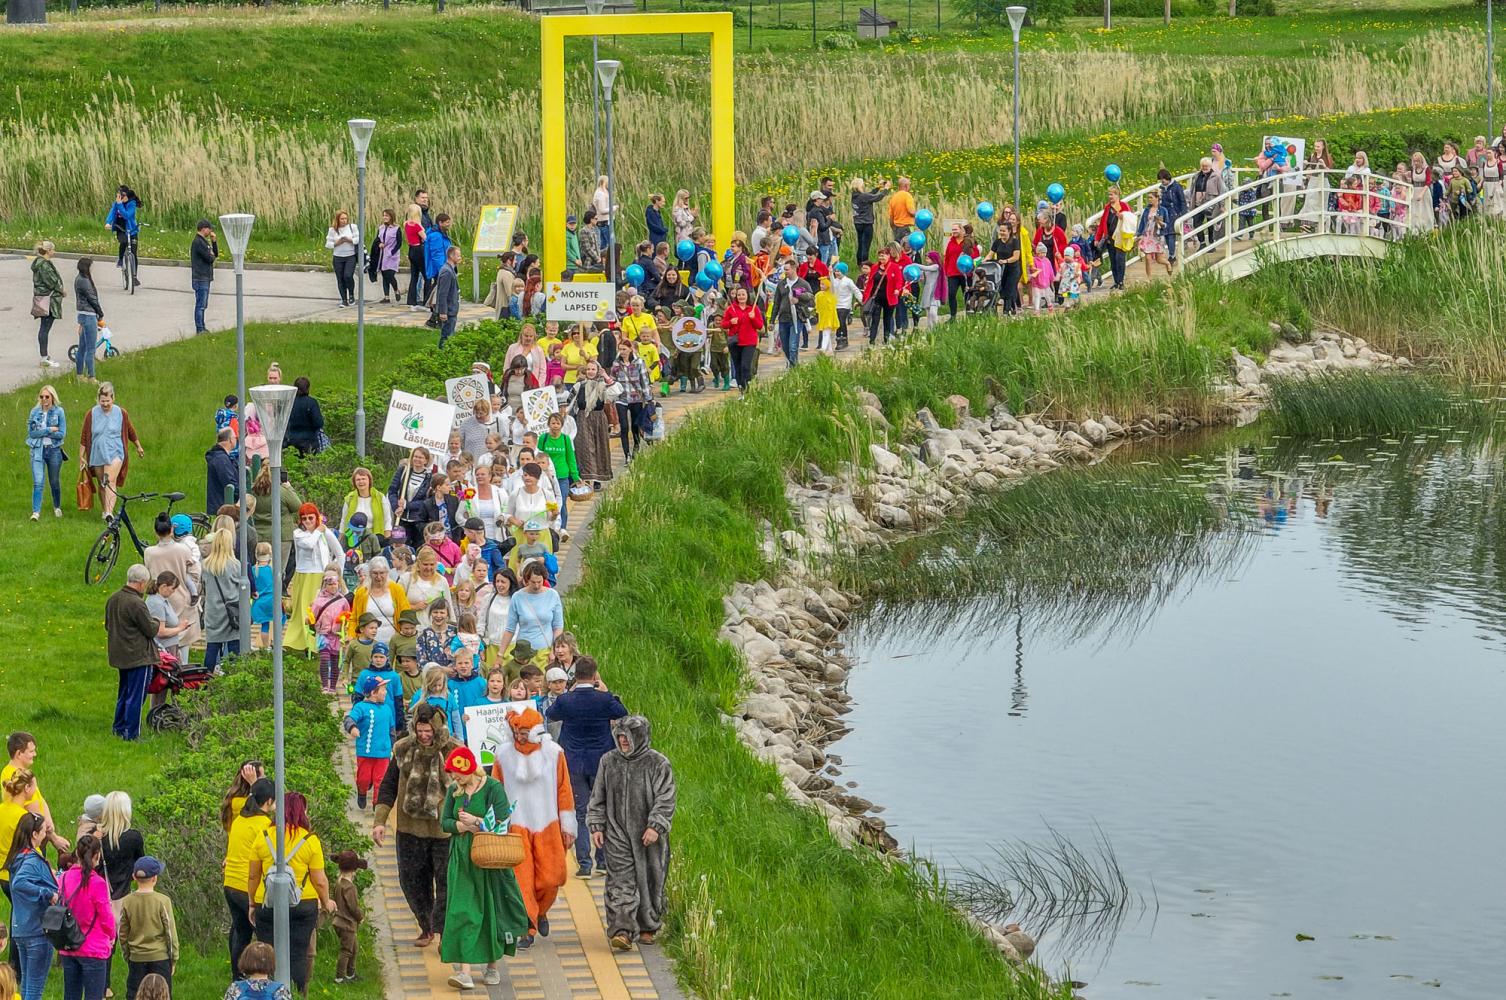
(315, 547)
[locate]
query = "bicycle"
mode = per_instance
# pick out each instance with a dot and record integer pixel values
(128, 266)
(106, 548)
(105, 348)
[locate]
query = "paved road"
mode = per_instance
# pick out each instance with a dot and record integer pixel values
(161, 310)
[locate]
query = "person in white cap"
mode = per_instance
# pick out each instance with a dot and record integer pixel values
(555, 683)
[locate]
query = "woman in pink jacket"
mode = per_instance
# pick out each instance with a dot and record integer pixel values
(86, 971)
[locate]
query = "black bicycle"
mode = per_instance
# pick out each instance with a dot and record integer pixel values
(106, 548)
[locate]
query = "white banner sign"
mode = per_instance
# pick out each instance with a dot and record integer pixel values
(579, 301)
(416, 421)
(485, 724)
(538, 406)
(464, 392)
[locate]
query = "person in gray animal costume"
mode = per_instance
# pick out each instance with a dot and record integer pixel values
(632, 806)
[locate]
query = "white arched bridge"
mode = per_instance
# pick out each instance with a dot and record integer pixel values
(1292, 216)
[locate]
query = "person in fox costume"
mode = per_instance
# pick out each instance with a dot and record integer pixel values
(531, 766)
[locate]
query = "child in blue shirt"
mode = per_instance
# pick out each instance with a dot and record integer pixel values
(381, 669)
(466, 688)
(261, 608)
(369, 726)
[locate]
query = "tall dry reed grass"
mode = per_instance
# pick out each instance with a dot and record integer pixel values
(483, 147)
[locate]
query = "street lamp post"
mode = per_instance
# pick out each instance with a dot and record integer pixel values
(274, 404)
(1016, 19)
(237, 230)
(606, 71)
(360, 134)
(594, 8)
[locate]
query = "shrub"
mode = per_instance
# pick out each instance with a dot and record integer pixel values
(230, 721)
(838, 40)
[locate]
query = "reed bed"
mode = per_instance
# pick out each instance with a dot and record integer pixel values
(1440, 298)
(480, 146)
(1360, 404)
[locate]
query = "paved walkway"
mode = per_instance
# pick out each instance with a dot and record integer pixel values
(575, 961)
(161, 310)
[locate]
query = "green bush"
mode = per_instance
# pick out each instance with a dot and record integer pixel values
(230, 721)
(1387, 149)
(837, 41)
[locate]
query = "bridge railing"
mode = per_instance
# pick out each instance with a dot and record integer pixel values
(1314, 200)
(1136, 201)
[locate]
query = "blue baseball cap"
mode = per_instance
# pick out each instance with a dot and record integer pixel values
(370, 684)
(381, 647)
(182, 525)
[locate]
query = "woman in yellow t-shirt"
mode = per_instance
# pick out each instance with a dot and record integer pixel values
(19, 788)
(235, 797)
(305, 860)
(240, 848)
(579, 349)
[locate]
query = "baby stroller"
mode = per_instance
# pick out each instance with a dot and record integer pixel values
(172, 676)
(983, 288)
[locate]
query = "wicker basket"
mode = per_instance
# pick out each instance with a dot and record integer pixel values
(496, 850)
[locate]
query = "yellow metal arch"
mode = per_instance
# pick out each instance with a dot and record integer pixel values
(553, 30)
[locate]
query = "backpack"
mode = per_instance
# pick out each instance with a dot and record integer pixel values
(298, 887)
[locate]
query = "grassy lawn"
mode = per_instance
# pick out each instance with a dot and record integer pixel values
(52, 628)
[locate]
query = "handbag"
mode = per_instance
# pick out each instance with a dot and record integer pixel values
(84, 491)
(60, 926)
(41, 306)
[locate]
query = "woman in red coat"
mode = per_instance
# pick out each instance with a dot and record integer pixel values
(1108, 223)
(886, 282)
(744, 325)
(955, 280)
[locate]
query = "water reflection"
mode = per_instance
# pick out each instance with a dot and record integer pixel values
(1269, 668)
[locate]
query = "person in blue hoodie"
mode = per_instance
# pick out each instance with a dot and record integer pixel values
(466, 688)
(437, 243)
(382, 669)
(121, 219)
(33, 888)
(369, 726)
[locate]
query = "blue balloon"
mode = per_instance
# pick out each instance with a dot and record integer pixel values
(965, 264)
(712, 270)
(985, 210)
(916, 240)
(1112, 173)
(684, 249)
(841, 267)
(912, 272)
(1056, 193)
(790, 235)
(704, 282)
(924, 218)
(634, 274)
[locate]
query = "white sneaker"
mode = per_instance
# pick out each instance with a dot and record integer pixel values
(462, 981)
(35, 516)
(493, 976)
(57, 512)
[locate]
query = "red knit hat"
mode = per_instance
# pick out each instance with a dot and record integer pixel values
(460, 761)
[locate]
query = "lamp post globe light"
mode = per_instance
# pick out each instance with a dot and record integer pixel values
(606, 72)
(237, 229)
(360, 135)
(1016, 21)
(595, 7)
(274, 405)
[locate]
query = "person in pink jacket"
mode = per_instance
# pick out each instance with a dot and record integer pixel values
(86, 971)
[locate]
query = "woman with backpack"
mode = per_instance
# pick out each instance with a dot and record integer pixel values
(86, 968)
(385, 257)
(46, 284)
(304, 856)
(32, 890)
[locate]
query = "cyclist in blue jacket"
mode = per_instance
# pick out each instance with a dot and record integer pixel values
(122, 220)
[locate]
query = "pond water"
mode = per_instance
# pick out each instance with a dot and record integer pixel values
(1303, 737)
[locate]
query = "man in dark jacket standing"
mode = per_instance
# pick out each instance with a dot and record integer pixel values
(129, 631)
(791, 306)
(447, 294)
(1173, 207)
(201, 258)
(586, 711)
(221, 473)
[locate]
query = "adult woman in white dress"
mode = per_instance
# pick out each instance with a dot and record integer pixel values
(1420, 201)
(1315, 197)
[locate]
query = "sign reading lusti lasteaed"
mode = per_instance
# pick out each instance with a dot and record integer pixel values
(416, 421)
(579, 301)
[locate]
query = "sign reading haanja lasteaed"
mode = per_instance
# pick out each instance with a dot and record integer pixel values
(579, 301)
(418, 422)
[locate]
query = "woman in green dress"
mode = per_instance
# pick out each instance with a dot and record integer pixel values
(484, 914)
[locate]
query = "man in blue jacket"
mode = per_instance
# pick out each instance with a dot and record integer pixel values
(1173, 207)
(222, 473)
(586, 711)
(436, 243)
